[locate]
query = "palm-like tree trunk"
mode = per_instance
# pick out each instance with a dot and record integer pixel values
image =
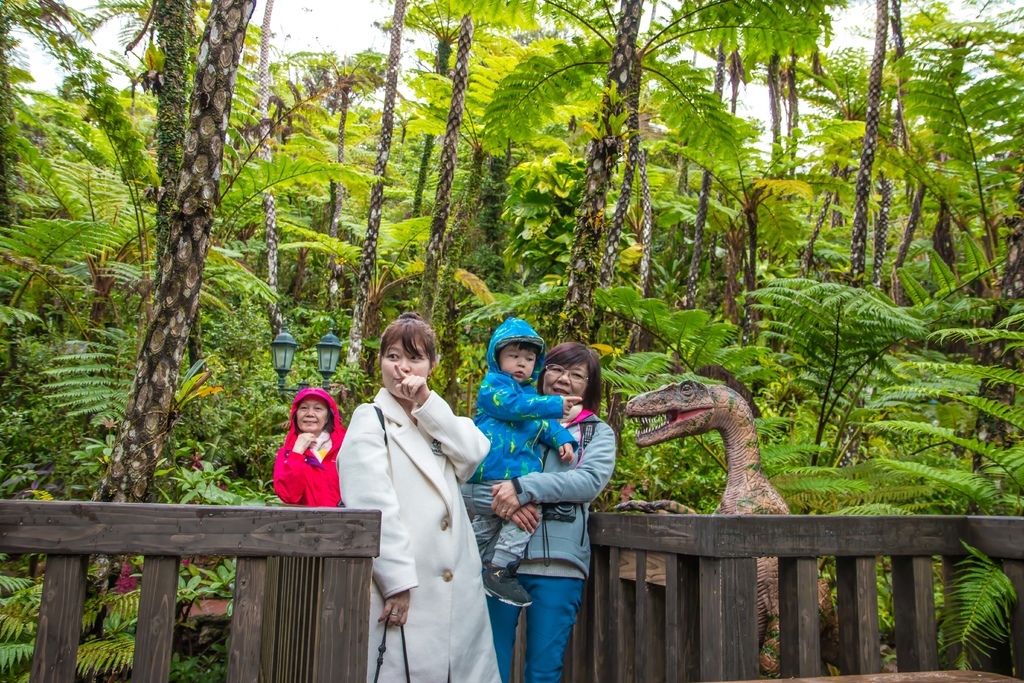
(942, 235)
(150, 413)
(881, 228)
(734, 243)
(647, 229)
(808, 260)
(792, 97)
(444, 51)
(908, 235)
(174, 20)
(446, 311)
(7, 156)
(602, 153)
(338, 195)
(368, 259)
(703, 202)
(899, 132)
(638, 340)
(269, 205)
(774, 96)
(858, 240)
(750, 269)
(737, 75)
(611, 246)
(449, 157)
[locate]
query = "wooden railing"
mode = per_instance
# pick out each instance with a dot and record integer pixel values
(674, 597)
(69, 532)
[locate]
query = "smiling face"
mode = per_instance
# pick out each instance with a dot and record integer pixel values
(671, 412)
(517, 361)
(311, 415)
(571, 380)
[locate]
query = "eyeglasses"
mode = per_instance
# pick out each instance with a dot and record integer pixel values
(556, 372)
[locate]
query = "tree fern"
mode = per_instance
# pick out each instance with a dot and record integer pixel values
(834, 337)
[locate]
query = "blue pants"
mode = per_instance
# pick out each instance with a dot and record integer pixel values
(549, 622)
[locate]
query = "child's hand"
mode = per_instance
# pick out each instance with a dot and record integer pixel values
(568, 403)
(566, 452)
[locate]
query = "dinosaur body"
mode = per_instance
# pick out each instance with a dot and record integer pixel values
(690, 408)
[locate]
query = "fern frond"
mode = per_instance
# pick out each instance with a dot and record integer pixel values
(12, 655)
(870, 509)
(979, 611)
(943, 433)
(975, 488)
(19, 613)
(112, 654)
(12, 584)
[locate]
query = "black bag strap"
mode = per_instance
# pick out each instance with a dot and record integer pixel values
(587, 430)
(380, 416)
(383, 648)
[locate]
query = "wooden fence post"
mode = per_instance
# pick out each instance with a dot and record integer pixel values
(60, 619)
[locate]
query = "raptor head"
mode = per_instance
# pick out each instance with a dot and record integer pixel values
(671, 412)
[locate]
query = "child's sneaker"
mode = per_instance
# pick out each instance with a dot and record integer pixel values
(501, 583)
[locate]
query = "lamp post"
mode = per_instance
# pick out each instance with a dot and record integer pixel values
(328, 352)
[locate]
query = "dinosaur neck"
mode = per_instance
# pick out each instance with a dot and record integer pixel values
(741, 451)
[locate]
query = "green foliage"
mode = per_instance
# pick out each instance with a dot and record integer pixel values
(541, 205)
(835, 337)
(979, 608)
(93, 382)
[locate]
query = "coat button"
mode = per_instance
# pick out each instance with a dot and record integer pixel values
(444, 524)
(446, 575)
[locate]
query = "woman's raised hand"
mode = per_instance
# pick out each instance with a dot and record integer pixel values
(413, 387)
(303, 442)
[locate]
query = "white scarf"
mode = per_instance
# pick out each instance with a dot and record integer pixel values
(322, 445)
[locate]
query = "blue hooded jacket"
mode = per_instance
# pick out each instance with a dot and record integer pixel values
(514, 416)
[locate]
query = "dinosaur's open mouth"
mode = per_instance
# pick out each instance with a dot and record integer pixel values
(651, 424)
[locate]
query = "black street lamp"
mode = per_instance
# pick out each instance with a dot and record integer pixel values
(328, 352)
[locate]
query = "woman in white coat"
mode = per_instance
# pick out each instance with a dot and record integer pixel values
(427, 576)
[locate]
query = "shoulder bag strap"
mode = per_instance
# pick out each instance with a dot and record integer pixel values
(380, 416)
(586, 434)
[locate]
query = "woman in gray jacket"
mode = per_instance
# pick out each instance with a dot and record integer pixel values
(555, 504)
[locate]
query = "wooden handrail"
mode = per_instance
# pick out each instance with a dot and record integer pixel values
(72, 528)
(68, 532)
(675, 597)
(809, 535)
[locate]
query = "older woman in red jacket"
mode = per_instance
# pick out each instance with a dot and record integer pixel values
(305, 472)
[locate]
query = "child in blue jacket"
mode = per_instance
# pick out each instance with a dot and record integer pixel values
(517, 420)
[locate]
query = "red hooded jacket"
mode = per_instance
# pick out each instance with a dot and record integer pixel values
(301, 478)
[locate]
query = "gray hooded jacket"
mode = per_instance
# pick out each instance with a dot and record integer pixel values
(573, 487)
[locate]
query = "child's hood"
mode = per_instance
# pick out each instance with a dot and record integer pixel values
(515, 330)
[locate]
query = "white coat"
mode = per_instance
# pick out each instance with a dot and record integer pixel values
(427, 543)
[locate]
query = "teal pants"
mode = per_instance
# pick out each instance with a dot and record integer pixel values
(549, 622)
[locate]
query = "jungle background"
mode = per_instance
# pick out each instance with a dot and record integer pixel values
(853, 258)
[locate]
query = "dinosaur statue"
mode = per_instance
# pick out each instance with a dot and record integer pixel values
(690, 408)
